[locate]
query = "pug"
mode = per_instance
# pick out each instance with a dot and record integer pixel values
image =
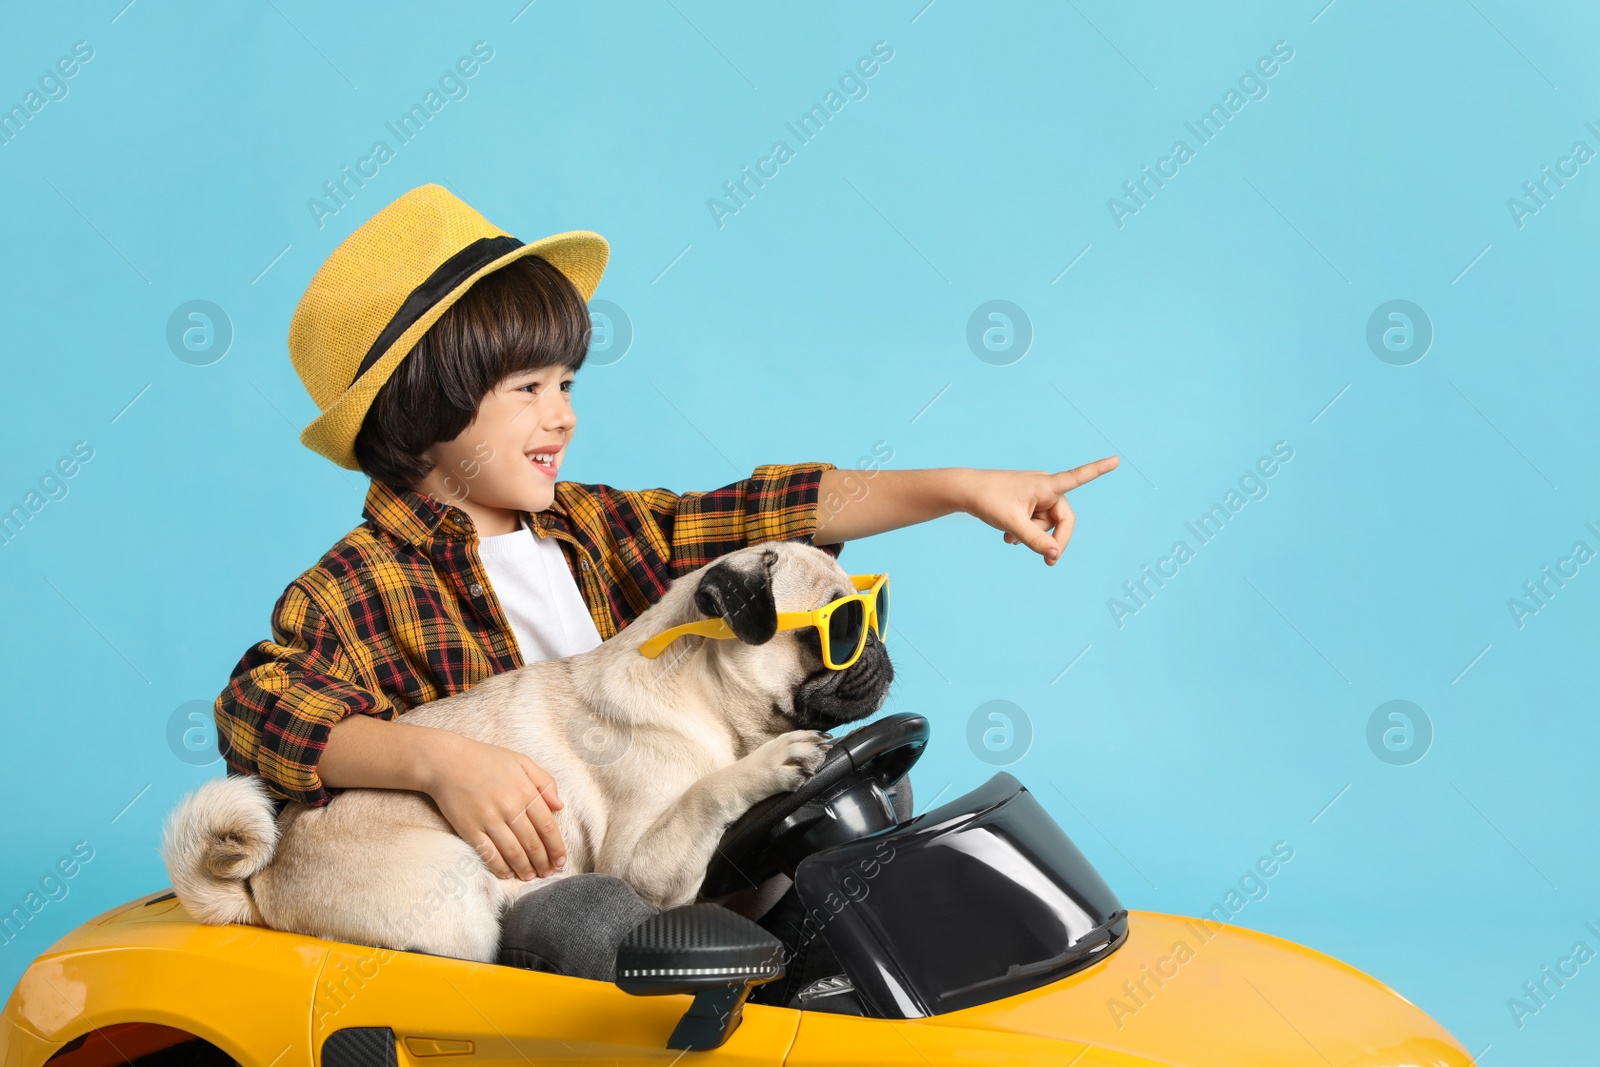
(655, 757)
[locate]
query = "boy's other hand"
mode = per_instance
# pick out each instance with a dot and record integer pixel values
(499, 802)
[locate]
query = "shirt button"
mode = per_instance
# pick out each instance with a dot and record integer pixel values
(476, 590)
(583, 564)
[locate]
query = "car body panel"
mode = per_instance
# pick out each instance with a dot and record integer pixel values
(1186, 992)
(515, 1016)
(1236, 998)
(265, 996)
(246, 989)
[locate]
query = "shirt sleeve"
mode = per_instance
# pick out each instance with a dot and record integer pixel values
(778, 502)
(283, 698)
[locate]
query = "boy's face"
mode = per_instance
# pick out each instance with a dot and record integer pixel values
(489, 471)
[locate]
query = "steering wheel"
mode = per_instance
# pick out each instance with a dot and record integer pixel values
(845, 800)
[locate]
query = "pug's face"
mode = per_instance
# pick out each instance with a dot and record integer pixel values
(747, 589)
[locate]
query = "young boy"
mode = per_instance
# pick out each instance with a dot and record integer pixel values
(441, 352)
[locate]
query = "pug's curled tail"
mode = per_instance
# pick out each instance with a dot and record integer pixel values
(216, 839)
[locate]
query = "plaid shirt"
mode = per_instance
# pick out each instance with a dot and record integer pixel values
(400, 612)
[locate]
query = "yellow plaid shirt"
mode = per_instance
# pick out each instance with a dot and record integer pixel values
(400, 611)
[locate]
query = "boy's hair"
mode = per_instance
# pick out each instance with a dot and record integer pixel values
(525, 316)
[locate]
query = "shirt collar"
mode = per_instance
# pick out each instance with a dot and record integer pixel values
(413, 517)
(553, 519)
(418, 518)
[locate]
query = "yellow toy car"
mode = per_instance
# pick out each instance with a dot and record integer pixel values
(973, 933)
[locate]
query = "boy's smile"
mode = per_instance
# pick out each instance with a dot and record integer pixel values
(508, 457)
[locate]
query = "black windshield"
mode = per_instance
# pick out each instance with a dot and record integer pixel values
(979, 899)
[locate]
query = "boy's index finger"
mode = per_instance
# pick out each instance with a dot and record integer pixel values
(1070, 479)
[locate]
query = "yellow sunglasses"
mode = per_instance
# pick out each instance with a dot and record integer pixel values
(842, 623)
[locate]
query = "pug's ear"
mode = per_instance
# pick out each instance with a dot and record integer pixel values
(738, 589)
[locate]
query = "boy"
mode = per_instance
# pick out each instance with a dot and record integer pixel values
(441, 351)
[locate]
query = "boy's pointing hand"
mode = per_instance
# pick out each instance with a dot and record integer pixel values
(1029, 504)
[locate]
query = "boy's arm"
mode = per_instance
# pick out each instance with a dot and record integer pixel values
(283, 698)
(863, 503)
(778, 502)
(294, 714)
(1029, 506)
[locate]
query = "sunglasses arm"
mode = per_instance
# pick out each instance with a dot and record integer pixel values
(704, 627)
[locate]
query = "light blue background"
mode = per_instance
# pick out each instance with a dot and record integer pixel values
(829, 315)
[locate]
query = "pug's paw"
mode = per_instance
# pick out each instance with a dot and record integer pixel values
(790, 759)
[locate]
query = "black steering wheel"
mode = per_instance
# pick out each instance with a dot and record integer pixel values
(848, 798)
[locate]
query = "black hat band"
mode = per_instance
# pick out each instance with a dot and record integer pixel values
(449, 274)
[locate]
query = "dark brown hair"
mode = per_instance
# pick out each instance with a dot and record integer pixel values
(523, 317)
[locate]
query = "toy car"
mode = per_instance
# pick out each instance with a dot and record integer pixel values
(975, 933)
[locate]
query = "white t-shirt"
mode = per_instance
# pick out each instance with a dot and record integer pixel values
(537, 592)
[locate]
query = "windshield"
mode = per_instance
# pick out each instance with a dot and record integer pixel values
(977, 900)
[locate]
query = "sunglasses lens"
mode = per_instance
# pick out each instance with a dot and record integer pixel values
(883, 611)
(846, 627)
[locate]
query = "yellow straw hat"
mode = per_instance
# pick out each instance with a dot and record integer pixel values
(386, 284)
